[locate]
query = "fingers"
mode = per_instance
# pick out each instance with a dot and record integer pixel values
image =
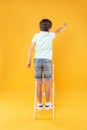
(64, 24)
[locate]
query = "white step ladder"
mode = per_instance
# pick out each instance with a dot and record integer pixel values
(43, 94)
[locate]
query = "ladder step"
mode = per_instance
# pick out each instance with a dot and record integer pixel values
(43, 94)
(52, 93)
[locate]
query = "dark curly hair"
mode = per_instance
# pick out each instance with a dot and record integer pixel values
(45, 25)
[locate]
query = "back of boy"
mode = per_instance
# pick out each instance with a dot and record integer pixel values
(43, 59)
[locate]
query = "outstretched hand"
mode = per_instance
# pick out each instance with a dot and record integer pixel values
(64, 25)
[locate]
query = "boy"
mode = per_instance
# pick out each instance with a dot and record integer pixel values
(43, 58)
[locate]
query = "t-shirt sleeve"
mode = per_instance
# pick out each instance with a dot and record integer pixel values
(53, 35)
(34, 39)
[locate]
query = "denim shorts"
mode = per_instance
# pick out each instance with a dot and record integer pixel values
(42, 69)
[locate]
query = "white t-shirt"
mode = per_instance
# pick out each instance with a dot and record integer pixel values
(43, 41)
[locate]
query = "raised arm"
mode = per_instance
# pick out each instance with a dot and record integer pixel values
(30, 54)
(60, 29)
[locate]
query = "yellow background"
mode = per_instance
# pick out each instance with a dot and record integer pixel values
(18, 23)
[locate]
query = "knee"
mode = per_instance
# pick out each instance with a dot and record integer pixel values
(39, 82)
(47, 82)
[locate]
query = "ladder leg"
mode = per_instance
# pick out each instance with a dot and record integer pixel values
(53, 89)
(35, 102)
(53, 101)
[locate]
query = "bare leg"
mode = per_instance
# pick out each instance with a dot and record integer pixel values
(47, 90)
(39, 90)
